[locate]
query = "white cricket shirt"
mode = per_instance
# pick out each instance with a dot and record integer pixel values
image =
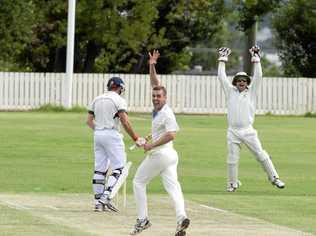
(163, 121)
(105, 109)
(241, 106)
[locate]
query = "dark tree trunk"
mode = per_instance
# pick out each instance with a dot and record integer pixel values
(250, 35)
(77, 58)
(93, 51)
(139, 67)
(60, 60)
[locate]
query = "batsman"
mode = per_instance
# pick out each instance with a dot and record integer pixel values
(105, 114)
(241, 96)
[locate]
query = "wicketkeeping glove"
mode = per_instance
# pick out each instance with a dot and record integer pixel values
(223, 54)
(255, 53)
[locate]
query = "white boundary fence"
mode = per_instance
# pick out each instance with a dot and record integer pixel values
(186, 93)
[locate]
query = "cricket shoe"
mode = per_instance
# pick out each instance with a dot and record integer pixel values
(182, 226)
(233, 187)
(278, 183)
(100, 208)
(140, 226)
(106, 202)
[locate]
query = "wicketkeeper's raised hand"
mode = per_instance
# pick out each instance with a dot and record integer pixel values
(223, 54)
(255, 53)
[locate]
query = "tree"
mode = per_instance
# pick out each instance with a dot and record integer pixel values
(111, 36)
(136, 27)
(46, 51)
(186, 24)
(106, 32)
(205, 52)
(16, 21)
(295, 25)
(250, 12)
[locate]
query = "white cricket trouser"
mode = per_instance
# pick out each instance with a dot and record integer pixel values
(248, 136)
(161, 162)
(108, 145)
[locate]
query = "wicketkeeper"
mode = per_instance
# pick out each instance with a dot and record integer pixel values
(241, 96)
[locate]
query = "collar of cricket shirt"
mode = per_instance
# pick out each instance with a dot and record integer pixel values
(155, 113)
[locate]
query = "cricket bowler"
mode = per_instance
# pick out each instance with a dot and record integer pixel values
(161, 158)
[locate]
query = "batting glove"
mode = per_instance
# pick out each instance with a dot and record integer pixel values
(255, 54)
(140, 141)
(223, 54)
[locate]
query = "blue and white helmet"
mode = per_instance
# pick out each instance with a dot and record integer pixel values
(115, 82)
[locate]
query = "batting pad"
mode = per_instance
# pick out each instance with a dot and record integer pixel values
(121, 180)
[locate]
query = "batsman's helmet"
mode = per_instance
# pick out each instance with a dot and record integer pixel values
(241, 75)
(115, 82)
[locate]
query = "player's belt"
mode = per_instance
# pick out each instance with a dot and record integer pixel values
(104, 128)
(232, 127)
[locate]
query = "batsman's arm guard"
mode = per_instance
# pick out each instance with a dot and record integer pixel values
(121, 180)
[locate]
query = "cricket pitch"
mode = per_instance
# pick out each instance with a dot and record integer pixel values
(72, 214)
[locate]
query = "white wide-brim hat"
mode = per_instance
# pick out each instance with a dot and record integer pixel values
(241, 75)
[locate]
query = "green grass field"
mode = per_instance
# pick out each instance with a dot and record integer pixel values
(52, 153)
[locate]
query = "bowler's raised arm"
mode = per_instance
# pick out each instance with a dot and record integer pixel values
(152, 70)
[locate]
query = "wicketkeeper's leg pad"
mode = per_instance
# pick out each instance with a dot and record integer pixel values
(269, 168)
(233, 163)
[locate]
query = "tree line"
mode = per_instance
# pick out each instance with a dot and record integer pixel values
(115, 36)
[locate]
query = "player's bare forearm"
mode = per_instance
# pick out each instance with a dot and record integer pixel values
(90, 121)
(127, 125)
(153, 57)
(167, 137)
(153, 76)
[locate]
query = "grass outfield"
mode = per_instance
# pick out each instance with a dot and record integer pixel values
(48, 153)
